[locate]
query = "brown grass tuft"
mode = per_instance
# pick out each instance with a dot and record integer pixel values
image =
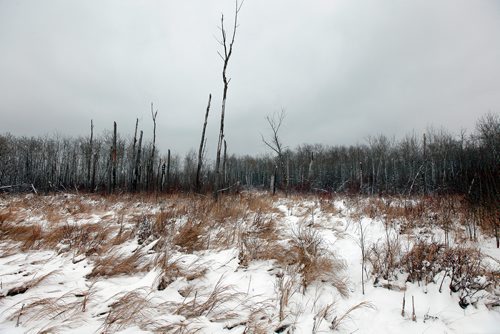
(132, 308)
(190, 236)
(29, 284)
(212, 305)
(315, 262)
(66, 307)
(118, 264)
(338, 320)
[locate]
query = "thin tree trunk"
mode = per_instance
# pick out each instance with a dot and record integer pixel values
(228, 50)
(94, 169)
(114, 159)
(137, 171)
(162, 184)
(150, 179)
(132, 162)
(89, 161)
(224, 161)
(168, 170)
(202, 143)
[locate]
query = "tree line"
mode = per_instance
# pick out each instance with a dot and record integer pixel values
(435, 162)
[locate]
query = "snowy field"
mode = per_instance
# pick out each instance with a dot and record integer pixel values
(249, 264)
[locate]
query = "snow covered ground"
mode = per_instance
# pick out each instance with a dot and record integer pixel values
(249, 264)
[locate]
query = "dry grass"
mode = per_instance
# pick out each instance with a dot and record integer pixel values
(35, 281)
(118, 264)
(211, 305)
(190, 236)
(27, 235)
(340, 319)
(171, 269)
(64, 308)
(6, 215)
(181, 327)
(286, 286)
(85, 239)
(78, 238)
(259, 240)
(315, 262)
(131, 308)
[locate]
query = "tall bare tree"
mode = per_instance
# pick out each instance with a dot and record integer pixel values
(227, 51)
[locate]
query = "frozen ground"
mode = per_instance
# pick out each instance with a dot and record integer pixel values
(179, 264)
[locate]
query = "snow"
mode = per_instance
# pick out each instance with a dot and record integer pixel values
(252, 291)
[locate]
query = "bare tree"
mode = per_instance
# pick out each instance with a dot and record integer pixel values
(153, 149)
(227, 51)
(275, 144)
(202, 147)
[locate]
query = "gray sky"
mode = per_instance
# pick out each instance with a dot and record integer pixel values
(342, 69)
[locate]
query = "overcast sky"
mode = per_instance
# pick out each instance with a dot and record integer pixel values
(342, 69)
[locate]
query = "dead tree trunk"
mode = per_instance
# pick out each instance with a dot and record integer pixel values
(276, 145)
(227, 47)
(310, 170)
(202, 147)
(168, 170)
(89, 155)
(150, 180)
(114, 158)
(94, 170)
(137, 169)
(132, 161)
(224, 164)
(162, 179)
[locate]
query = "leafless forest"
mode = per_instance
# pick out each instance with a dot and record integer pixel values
(435, 163)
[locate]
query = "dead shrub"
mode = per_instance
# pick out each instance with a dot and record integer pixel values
(422, 262)
(468, 277)
(385, 258)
